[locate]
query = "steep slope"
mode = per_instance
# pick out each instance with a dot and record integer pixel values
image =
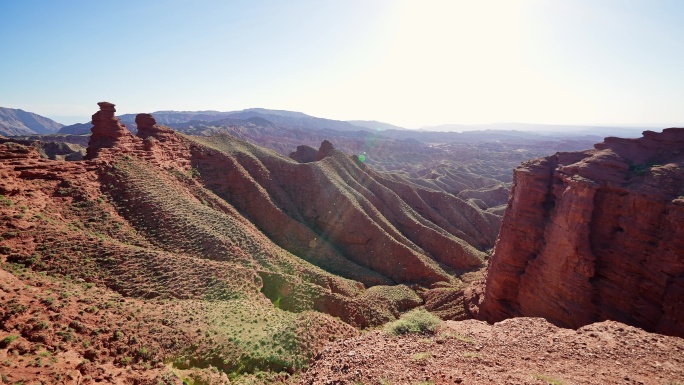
(19, 122)
(76, 129)
(161, 255)
(338, 207)
(204, 296)
(595, 235)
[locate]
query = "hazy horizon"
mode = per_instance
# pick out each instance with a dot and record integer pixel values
(69, 120)
(408, 63)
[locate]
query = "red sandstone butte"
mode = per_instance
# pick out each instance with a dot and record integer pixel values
(595, 235)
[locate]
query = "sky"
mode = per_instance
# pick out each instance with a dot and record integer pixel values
(412, 63)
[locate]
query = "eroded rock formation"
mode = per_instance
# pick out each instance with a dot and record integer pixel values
(595, 235)
(107, 131)
(147, 126)
(304, 154)
(325, 150)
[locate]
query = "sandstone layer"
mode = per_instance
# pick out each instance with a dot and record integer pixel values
(595, 235)
(108, 131)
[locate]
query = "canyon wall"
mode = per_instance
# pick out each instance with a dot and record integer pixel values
(594, 235)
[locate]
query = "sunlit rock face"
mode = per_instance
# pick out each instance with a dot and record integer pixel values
(595, 235)
(107, 131)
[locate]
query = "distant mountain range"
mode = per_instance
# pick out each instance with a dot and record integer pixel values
(286, 119)
(19, 122)
(375, 125)
(543, 129)
(259, 116)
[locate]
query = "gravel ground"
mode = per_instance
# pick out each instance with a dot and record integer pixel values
(515, 351)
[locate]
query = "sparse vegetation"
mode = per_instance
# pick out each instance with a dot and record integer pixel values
(443, 336)
(641, 169)
(471, 355)
(547, 379)
(421, 356)
(5, 342)
(5, 201)
(415, 321)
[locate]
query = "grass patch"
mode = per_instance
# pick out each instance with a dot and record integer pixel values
(421, 356)
(4, 201)
(547, 379)
(416, 321)
(7, 340)
(443, 337)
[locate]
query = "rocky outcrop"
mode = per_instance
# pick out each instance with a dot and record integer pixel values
(595, 235)
(110, 137)
(147, 126)
(304, 154)
(325, 150)
(161, 144)
(107, 131)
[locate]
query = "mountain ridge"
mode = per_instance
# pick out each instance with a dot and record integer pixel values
(19, 122)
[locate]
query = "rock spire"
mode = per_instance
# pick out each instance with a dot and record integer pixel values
(107, 131)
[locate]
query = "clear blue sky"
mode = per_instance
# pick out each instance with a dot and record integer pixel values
(410, 63)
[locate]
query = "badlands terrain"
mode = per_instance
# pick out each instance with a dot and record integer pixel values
(161, 257)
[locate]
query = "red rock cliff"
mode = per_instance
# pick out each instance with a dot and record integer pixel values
(595, 235)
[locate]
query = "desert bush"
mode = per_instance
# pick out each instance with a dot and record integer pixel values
(5, 201)
(7, 341)
(415, 321)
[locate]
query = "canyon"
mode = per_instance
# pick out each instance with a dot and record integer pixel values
(162, 257)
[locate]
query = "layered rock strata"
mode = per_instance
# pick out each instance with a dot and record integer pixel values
(107, 131)
(595, 235)
(147, 126)
(333, 211)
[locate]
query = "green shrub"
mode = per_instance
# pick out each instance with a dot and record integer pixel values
(415, 321)
(5, 201)
(7, 340)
